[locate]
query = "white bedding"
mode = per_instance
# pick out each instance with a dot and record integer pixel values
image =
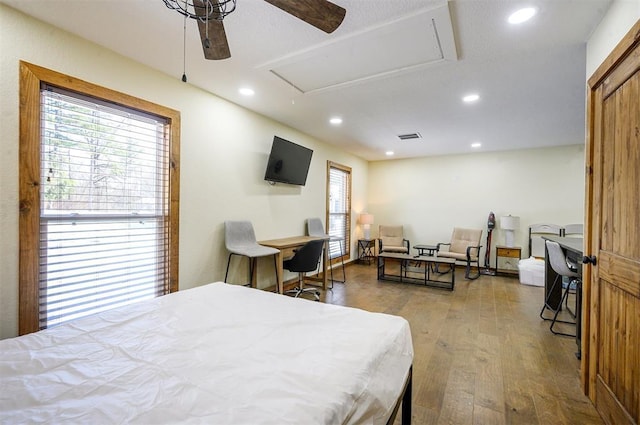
(215, 354)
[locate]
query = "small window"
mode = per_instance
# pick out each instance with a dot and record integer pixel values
(339, 209)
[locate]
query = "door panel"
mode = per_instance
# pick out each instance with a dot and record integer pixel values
(613, 189)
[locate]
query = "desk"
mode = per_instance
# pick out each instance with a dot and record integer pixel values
(573, 251)
(286, 247)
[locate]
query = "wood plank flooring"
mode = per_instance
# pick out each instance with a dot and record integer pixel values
(482, 355)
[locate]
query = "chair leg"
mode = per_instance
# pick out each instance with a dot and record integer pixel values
(344, 275)
(556, 311)
(300, 289)
(275, 268)
(228, 263)
(555, 317)
(467, 273)
(252, 267)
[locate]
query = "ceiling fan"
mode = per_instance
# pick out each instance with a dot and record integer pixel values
(209, 14)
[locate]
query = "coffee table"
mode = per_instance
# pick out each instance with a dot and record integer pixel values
(416, 265)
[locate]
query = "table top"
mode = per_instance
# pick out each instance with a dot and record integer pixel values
(572, 244)
(425, 247)
(289, 242)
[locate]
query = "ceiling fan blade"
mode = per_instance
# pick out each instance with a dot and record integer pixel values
(322, 14)
(214, 41)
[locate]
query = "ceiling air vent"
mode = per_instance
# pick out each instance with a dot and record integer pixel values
(409, 136)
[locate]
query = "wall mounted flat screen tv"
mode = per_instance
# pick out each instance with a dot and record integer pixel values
(288, 162)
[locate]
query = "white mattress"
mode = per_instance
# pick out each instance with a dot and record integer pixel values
(216, 354)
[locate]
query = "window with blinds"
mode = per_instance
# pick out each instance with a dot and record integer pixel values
(103, 206)
(339, 209)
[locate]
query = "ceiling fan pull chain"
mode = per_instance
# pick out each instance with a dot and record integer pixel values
(207, 43)
(184, 51)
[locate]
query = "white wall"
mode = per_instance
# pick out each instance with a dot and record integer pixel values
(429, 196)
(224, 150)
(620, 17)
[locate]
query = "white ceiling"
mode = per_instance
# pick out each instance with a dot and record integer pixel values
(392, 67)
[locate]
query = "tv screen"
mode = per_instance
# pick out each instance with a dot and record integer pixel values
(288, 162)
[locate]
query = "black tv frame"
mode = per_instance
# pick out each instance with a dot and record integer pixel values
(288, 162)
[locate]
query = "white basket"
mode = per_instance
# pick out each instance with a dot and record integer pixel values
(531, 271)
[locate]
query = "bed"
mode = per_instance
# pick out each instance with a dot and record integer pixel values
(215, 354)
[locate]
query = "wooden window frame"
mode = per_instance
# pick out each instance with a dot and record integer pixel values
(31, 79)
(347, 242)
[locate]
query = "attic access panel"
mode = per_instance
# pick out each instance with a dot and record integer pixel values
(400, 46)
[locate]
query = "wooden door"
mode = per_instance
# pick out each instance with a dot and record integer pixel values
(611, 365)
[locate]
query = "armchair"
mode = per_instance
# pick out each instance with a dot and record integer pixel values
(464, 246)
(391, 239)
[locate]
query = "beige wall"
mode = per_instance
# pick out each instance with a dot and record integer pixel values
(620, 17)
(429, 196)
(223, 157)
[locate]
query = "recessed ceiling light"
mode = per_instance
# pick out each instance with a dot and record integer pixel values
(389, 153)
(336, 120)
(246, 91)
(522, 15)
(471, 98)
(476, 145)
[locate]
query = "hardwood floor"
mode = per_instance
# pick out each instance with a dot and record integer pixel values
(482, 355)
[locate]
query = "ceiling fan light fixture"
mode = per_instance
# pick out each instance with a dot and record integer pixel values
(202, 10)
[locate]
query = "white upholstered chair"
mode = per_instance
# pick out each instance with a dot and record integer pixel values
(391, 239)
(464, 246)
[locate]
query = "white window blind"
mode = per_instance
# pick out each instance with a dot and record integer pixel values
(104, 230)
(339, 203)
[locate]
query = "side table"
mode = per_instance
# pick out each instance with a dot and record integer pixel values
(428, 250)
(366, 250)
(507, 252)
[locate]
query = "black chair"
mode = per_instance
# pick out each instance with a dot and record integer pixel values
(304, 260)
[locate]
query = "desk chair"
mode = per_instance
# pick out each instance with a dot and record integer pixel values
(315, 228)
(558, 262)
(304, 260)
(240, 239)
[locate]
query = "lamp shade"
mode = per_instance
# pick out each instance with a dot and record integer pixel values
(510, 222)
(366, 218)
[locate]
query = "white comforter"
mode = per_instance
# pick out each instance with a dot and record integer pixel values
(216, 354)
